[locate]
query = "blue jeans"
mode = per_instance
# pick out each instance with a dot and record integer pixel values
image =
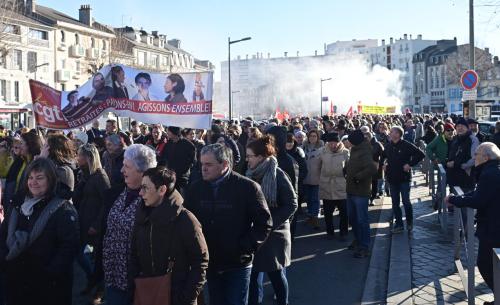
(115, 296)
(279, 282)
(229, 287)
(311, 193)
(401, 192)
(357, 208)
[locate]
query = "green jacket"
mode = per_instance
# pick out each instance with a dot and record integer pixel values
(438, 149)
(359, 169)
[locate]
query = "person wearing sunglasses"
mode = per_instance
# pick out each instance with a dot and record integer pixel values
(437, 150)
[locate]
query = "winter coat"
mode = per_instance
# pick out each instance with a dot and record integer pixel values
(396, 156)
(285, 161)
(409, 135)
(276, 252)
(169, 230)
(234, 216)
(359, 169)
(485, 200)
(158, 147)
(332, 182)
(88, 198)
(113, 164)
(438, 150)
(462, 151)
(313, 153)
(42, 273)
(299, 156)
(180, 157)
(496, 139)
(377, 154)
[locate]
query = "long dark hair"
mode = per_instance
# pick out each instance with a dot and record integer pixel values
(33, 142)
(180, 86)
(61, 149)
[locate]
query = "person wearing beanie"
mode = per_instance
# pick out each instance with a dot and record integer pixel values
(359, 171)
(437, 150)
(400, 156)
(332, 184)
(474, 127)
(460, 162)
(178, 155)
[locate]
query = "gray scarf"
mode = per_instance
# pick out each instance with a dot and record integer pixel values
(265, 173)
(17, 240)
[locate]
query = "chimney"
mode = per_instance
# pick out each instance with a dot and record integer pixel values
(405, 36)
(30, 7)
(487, 50)
(391, 40)
(315, 52)
(154, 33)
(495, 61)
(176, 43)
(419, 36)
(383, 42)
(85, 14)
(286, 54)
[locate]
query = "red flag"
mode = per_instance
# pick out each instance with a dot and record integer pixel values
(350, 112)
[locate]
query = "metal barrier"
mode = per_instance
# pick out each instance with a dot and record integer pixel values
(464, 234)
(440, 195)
(496, 272)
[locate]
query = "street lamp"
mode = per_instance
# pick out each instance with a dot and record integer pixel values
(229, 43)
(38, 66)
(321, 93)
(232, 96)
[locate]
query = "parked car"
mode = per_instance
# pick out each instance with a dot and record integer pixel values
(488, 128)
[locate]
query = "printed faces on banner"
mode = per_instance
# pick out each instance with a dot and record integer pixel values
(127, 92)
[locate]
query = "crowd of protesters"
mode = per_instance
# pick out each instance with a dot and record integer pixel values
(217, 206)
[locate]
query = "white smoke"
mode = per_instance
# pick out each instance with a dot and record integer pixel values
(293, 84)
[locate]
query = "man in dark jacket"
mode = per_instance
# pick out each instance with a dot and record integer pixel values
(94, 132)
(474, 128)
(359, 169)
(377, 151)
(218, 136)
(400, 156)
(485, 200)
(461, 157)
(235, 219)
(285, 161)
(496, 136)
(178, 155)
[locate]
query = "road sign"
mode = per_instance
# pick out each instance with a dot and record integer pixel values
(469, 95)
(469, 80)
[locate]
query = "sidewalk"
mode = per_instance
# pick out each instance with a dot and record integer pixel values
(434, 279)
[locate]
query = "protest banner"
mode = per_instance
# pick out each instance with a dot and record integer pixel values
(367, 109)
(183, 100)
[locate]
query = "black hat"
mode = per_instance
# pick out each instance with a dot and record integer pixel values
(462, 121)
(216, 129)
(356, 137)
(472, 121)
(331, 137)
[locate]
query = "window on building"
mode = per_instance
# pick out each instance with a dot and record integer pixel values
(104, 46)
(38, 34)
(77, 66)
(92, 42)
(3, 89)
(11, 29)
(16, 91)
(63, 63)
(63, 87)
(63, 36)
(32, 61)
(140, 58)
(154, 61)
(77, 39)
(17, 60)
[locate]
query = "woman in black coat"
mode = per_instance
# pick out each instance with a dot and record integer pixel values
(165, 229)
(275, 254)
(39, 242)
(88, 197)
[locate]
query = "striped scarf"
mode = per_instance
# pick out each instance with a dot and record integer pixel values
(265, 174)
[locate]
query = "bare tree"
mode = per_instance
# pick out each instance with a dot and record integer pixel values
(9, 31)
(458, 62)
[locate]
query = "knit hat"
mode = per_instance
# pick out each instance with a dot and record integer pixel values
(175, 130)
(462, 121)
(449, 126)
(331, 137)
(356, 137)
